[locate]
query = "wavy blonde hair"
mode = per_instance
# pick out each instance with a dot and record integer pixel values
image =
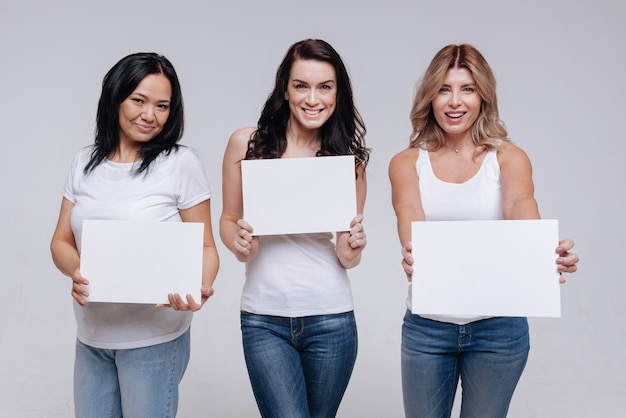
(488, 131)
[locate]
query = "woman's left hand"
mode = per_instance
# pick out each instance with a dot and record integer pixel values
(351, 243)
(179, 304)
(566, 262)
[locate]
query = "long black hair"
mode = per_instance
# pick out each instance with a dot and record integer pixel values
(117, 85)
(342, 134)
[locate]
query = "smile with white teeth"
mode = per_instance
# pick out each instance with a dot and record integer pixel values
(455, 115)
(312, 112)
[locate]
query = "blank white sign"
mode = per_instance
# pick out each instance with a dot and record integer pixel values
(299, 195)
(494, 268)
(141, 262)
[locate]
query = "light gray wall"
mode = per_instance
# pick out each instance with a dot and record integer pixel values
(560, 67)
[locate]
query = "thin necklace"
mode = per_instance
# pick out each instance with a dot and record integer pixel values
(457, 150)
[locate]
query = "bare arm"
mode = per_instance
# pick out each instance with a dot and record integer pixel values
(518, 190)
(210, 259)
(518, 201)
(350, 244)
(65, 253)
(406, 201)
(234, 231)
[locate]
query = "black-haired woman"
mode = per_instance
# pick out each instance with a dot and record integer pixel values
(130, 358)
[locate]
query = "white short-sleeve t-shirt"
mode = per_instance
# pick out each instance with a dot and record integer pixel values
(112, 191)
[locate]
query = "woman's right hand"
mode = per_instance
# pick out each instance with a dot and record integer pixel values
(245, 245)
(407, 260)
(79, 293)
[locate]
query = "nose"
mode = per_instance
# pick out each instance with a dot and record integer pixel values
(148, 113)
(311, 98)
(455, 100)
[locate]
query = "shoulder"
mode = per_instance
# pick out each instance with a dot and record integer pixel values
(239, 139)
(403, 163)
(512, 158)
(403, 158)
(508, 152)
(242, 135)
(238, 144)
(185, 154)
(82, 157)
(84, 152)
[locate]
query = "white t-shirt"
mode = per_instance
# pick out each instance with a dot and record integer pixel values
(113, 192)
(296, 275)
(479, 198)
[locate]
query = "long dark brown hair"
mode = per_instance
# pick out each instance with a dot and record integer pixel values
(342, 134)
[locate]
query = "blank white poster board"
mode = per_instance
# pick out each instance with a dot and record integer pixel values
(495, 268)
(141, 262)
(299, 195)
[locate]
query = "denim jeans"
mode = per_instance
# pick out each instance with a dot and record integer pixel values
(487, 355)
(299, 367)
(139, 382)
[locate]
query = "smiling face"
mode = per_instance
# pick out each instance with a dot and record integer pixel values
(143, 114)
(311, 93)
(457, 104)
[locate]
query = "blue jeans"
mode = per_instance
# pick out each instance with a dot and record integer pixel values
(139, 382)
(488, 355)
(299, 367)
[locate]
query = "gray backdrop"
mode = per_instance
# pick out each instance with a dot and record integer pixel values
(559, 65)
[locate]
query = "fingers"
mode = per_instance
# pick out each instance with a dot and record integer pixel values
(408, 270)
(407, 260)
(179, 304)
(243, 239)
(566, 262)
(358, 241)
(407, 255)
(568, 259)
(79, 292)
(358, 238)
(565, 245)
(243, 242)
(356, 220)
(244, 225)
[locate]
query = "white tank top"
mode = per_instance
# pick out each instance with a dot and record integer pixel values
(296, 275)
(479, 198)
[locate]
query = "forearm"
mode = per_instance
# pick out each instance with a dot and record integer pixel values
(210, 266)
(404, 220)
(228, 230)
(65, 257)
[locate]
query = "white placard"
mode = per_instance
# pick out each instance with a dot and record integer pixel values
(494, 268)
(141, 262)
(299, 195)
